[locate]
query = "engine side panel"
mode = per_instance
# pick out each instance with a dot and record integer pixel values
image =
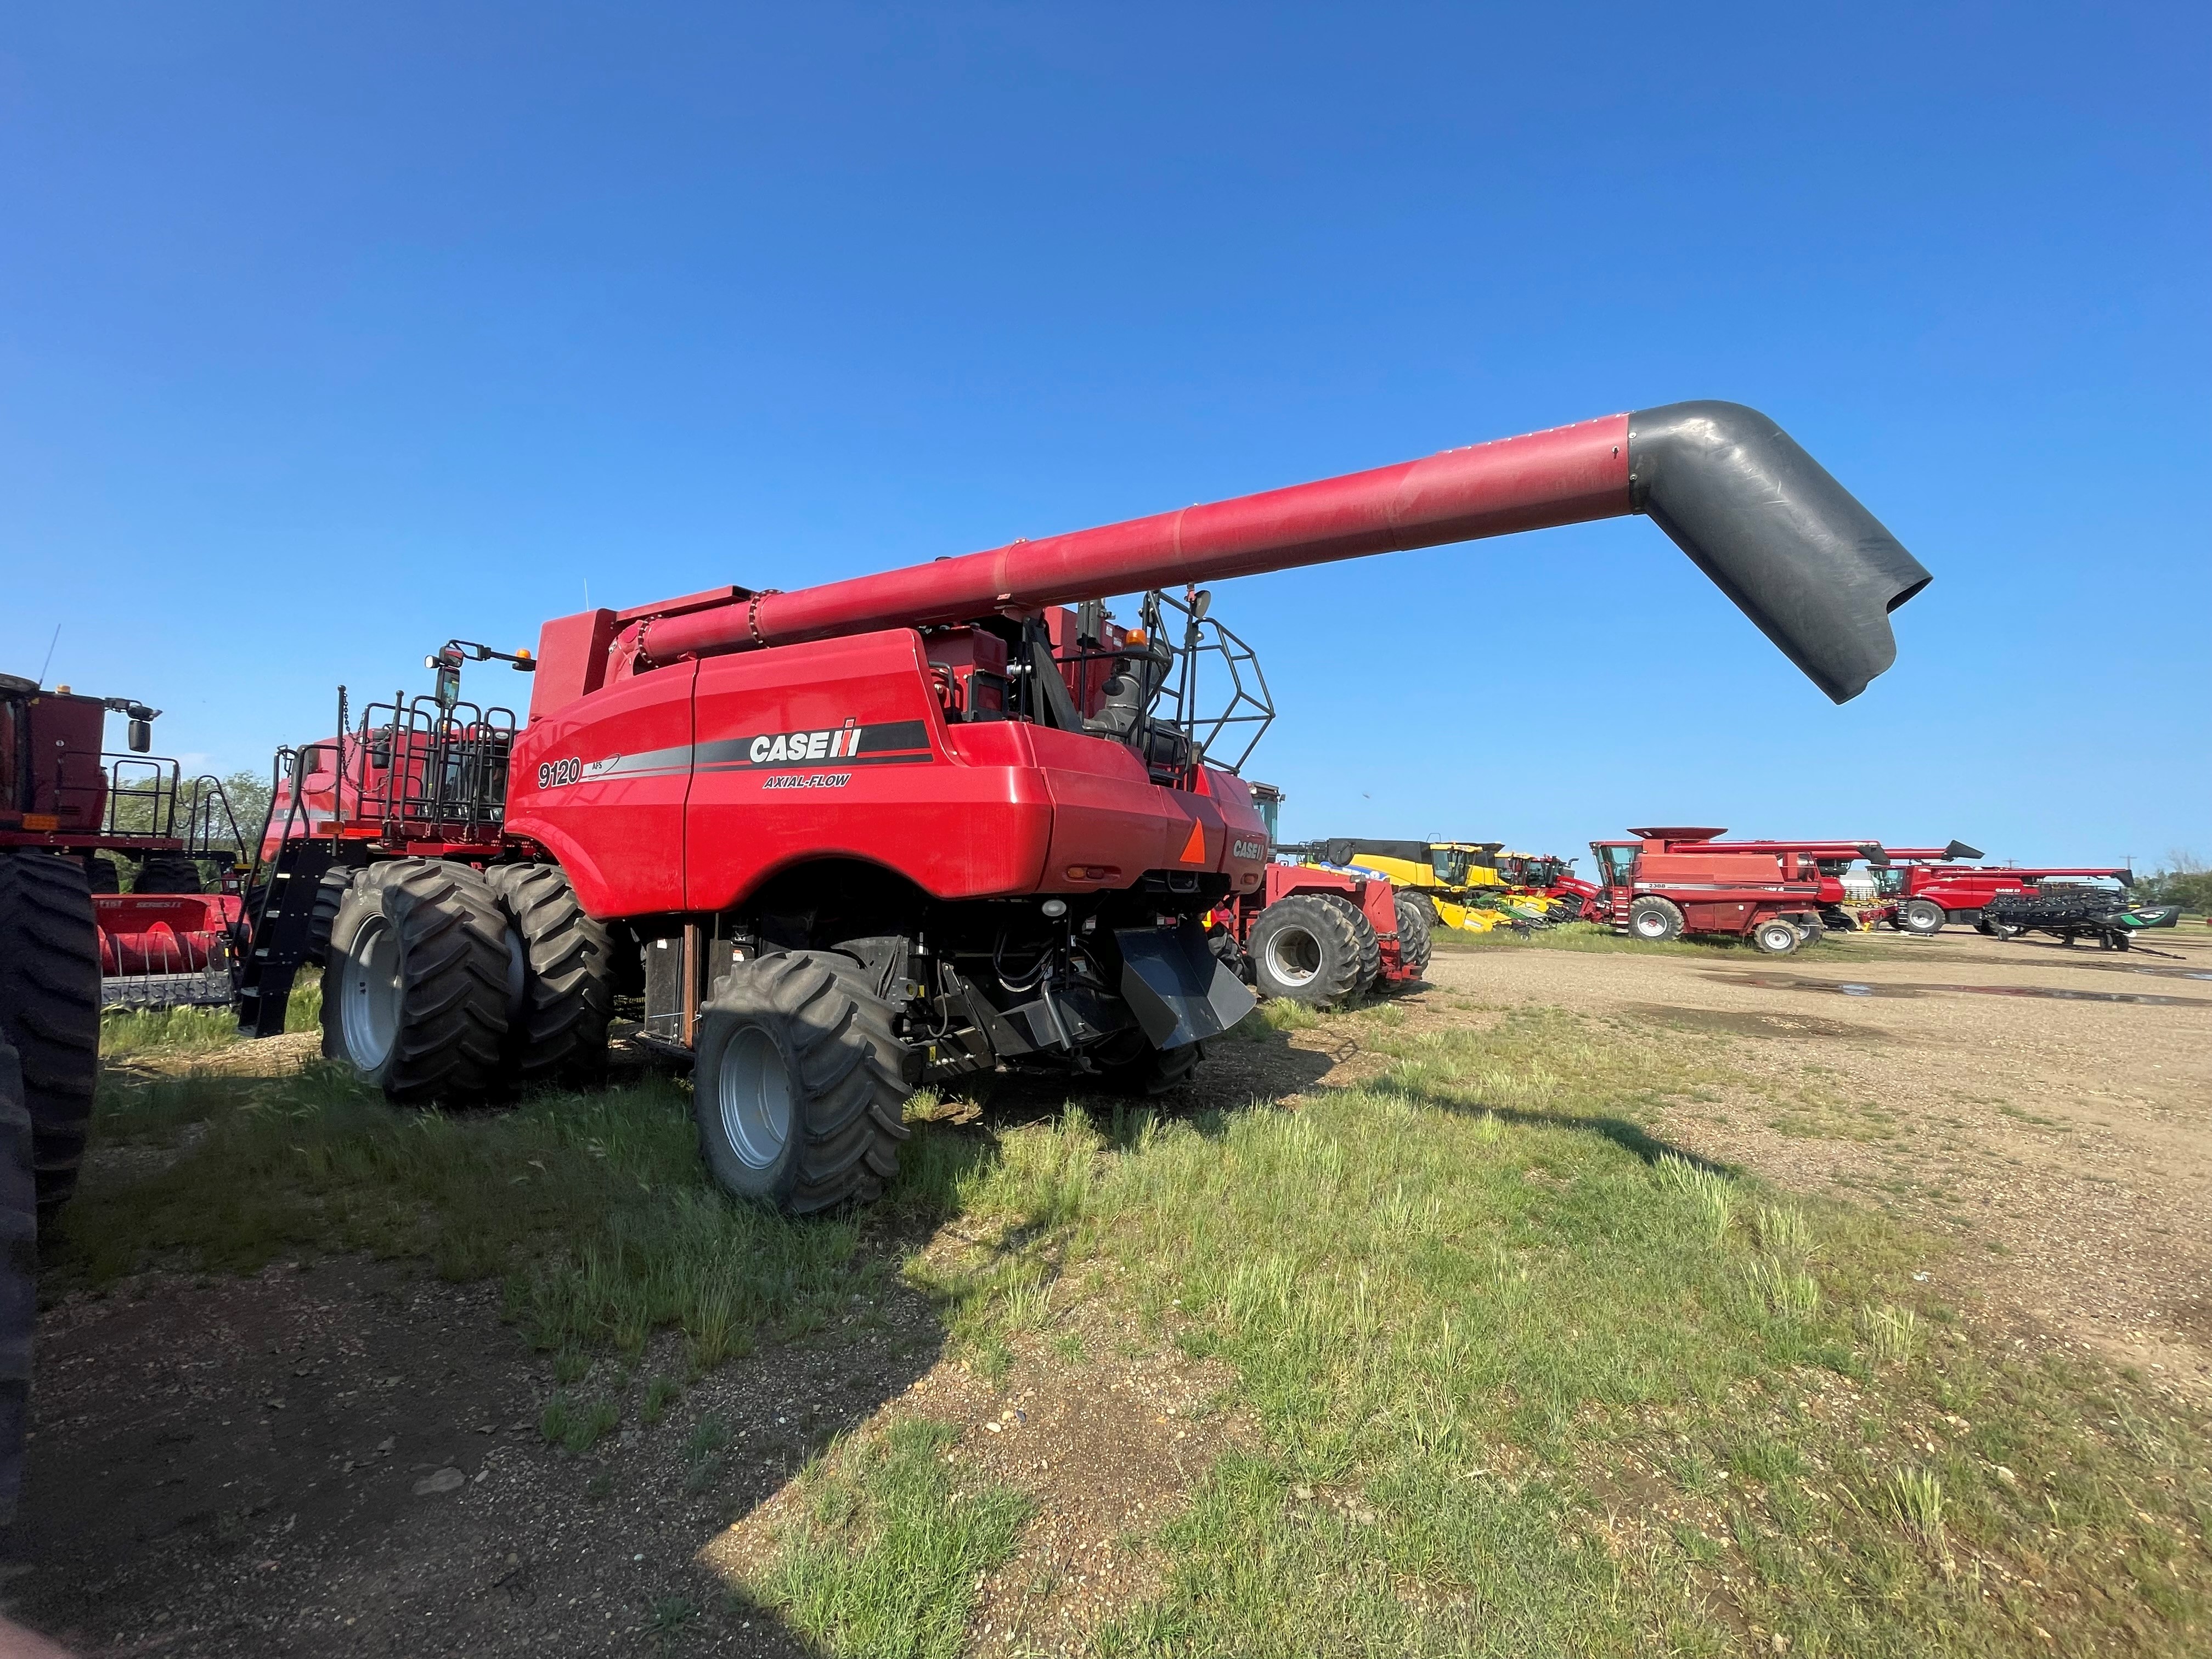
(838, 749)
(601, 784)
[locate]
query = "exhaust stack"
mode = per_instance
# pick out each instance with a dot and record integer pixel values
(1792, 547)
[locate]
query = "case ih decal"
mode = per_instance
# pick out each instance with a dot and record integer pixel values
(851, 742)
(888, 742)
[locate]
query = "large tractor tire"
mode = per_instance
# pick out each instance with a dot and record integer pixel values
(166, 873)
(1149, 1070)
(19, 1273)
(1422, 902)
(1654, 920)
(422, 974)
(330, 891)
(1415, 944)
(560, 1034)
(799, 1084)
(1302, 948)
(1370, 941)
(50, 1008)
(1775, 937)
(102, 875)
(1921, 916)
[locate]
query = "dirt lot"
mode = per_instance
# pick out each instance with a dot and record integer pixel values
(344, 1457)
(2053, 1104)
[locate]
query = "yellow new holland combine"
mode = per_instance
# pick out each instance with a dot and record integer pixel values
(1456, 883)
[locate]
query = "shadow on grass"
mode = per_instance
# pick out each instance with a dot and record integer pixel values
(1631, 1138)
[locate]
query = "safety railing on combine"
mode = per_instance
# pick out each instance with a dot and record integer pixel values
(421, 761)
(1186, 708)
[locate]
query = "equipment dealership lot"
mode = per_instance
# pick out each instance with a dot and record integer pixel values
(342, 1454)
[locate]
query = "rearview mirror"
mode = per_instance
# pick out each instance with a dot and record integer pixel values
(142, 735)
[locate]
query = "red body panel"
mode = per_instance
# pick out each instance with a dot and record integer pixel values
(53, 782)
(685, 788)
(615, 818)
(1719, 889)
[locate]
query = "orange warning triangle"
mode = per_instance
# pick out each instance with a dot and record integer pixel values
(1194, 850)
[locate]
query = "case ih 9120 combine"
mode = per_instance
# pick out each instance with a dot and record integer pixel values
(850, 839)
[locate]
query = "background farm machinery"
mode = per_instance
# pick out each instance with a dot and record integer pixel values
(2070, 911)
(1670, 881)
(1923, 891)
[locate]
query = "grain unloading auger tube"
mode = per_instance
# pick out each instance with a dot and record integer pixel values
(1792, 547)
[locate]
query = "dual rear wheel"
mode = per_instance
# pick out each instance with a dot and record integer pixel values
(443, 984)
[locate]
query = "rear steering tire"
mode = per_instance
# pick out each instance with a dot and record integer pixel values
(421, 975)
(50, 1008)
(1304, 949)
(1154, 1071)
(798, 1083)
(1654, 921)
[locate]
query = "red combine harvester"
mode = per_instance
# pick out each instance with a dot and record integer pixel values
(1672, 881)
(1924, 890)
(69, 941)
(845, 840)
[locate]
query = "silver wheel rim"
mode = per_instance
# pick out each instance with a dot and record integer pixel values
(372, 994)
(754, 1090)
(1293, 958)
(1651, 926)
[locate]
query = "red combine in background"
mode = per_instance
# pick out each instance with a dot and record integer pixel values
(1672, 881)
(1923, 892)
(843, 841)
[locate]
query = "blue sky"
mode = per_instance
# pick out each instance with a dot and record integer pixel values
(328, 332)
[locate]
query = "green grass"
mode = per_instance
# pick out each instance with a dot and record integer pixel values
(1557, 1391)
(895, 1536)
(593, 1208)
(1519, 1377)
(128, 1033)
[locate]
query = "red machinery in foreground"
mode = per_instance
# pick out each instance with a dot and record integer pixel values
(69, 941)
(848, 840)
